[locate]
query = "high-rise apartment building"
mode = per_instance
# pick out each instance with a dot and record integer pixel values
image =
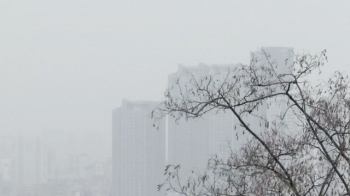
(9, 158)
(282, 61)
(138, 150)
(191, 143)
(28, 160)
(280, 58)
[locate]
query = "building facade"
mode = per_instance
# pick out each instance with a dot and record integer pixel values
(28, 158)
(191, 143)
(138, 150)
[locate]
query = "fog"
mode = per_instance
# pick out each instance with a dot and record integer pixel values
(65, 65)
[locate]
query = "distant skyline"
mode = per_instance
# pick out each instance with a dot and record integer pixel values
(65, 65)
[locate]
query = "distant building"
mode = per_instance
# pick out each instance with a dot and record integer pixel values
(96, 169)
(11, 160)
(76, 166)
(27, 160)
(282, 60)
(52, 164)
(6, 169)
(62, 147)
(52, 188)
(82, 161)
(138, 150)
(191, 143)
(281, 57)
(34, 161)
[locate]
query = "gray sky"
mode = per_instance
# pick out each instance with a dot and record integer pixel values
(64, 65)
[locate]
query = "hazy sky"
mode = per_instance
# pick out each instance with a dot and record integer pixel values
(64, 65)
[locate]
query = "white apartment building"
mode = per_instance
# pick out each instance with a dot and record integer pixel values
(28, 160)
(192, 143)
(138, 150)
